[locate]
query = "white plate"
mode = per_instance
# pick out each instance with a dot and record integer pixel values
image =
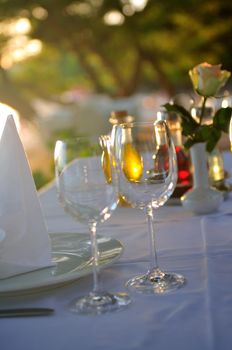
(72, 258)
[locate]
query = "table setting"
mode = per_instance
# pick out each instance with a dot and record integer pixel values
(79, 270)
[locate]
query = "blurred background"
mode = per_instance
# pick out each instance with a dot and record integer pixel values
(65, 65)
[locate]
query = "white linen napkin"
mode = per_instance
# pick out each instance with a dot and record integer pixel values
(26, 245)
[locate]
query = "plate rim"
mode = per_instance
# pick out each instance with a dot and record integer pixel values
(64, 279)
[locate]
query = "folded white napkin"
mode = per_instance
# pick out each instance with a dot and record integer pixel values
(26, 245)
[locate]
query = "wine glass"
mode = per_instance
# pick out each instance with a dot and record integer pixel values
(87, 192)
(230, 133)
(147, 175)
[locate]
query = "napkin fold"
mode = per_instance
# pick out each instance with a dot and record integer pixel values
(26, 246)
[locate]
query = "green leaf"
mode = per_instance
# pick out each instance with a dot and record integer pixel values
(222, 118)
(189, 143)
(187, 128)
(213, 138)
(208, 134)
(188, 124)
(203, 133)
(181, 111)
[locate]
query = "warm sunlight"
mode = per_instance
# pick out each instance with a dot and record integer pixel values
(138, 5)
(15, 27)
(113, 18)
(132, 6)
(116, 18)
(18, 45)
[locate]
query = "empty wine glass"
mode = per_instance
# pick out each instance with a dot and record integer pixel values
(147, 175)
(230, 133)
(88, 194)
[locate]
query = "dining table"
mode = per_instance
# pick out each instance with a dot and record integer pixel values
(197, 316)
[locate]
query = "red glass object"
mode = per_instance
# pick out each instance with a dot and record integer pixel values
(184, 174)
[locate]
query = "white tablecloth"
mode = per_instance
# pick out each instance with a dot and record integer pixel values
(198, 316)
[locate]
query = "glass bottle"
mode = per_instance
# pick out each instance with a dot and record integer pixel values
(119, 117)
(184, 171)
(134, 168)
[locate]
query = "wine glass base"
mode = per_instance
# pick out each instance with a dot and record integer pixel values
(99, 303)
(156, 282)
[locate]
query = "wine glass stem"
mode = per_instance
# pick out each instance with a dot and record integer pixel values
(95, 256)
(152, 243)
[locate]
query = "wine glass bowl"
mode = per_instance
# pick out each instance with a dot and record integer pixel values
(230, 133)
(87, 194)
(147, 175)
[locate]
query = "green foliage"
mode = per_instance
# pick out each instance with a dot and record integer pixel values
(195, 132)
(189, 125)
(222, 119)
(61, 134)
(80, 49)
(49, 74)
(40, 179)
(80, 148)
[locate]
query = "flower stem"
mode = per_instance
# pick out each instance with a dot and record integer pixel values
(202, 109)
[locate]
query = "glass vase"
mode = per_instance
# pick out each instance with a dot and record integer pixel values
(201, 199)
